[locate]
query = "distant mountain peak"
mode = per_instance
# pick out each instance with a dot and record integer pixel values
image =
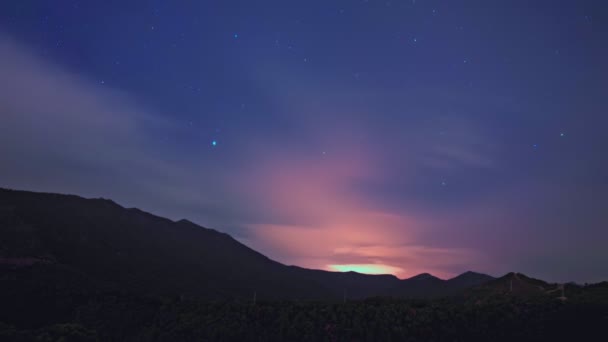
(470, 278)
(469, 274)
(518, 283)
(423, 276)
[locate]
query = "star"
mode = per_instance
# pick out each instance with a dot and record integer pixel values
(214, 143)
(561, 134)
(236, 35)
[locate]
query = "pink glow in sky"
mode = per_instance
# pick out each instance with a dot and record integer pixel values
(323, 170)
(323, 221)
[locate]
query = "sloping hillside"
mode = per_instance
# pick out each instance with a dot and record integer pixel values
(114, 247)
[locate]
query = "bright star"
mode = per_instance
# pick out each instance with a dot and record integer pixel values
(214, 143)
(236, 35)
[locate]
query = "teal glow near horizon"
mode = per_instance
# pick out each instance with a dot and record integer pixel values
(366, 268)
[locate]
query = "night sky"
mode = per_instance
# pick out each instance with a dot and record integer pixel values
(401, 136)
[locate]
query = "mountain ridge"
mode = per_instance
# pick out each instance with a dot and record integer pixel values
(145, 252)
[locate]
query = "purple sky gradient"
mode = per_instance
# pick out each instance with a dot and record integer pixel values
(401, 164)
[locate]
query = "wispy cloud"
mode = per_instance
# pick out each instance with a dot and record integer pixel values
(63, 132)
(302, 203)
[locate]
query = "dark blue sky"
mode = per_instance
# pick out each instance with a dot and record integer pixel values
(411, 136)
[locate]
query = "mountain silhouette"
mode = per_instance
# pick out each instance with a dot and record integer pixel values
(518, 284)
(97, 243)
(469, 279)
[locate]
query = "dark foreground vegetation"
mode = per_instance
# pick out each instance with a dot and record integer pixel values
(73, 269)
(120, 316)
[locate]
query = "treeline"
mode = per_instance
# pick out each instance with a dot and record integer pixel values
(120, 316)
